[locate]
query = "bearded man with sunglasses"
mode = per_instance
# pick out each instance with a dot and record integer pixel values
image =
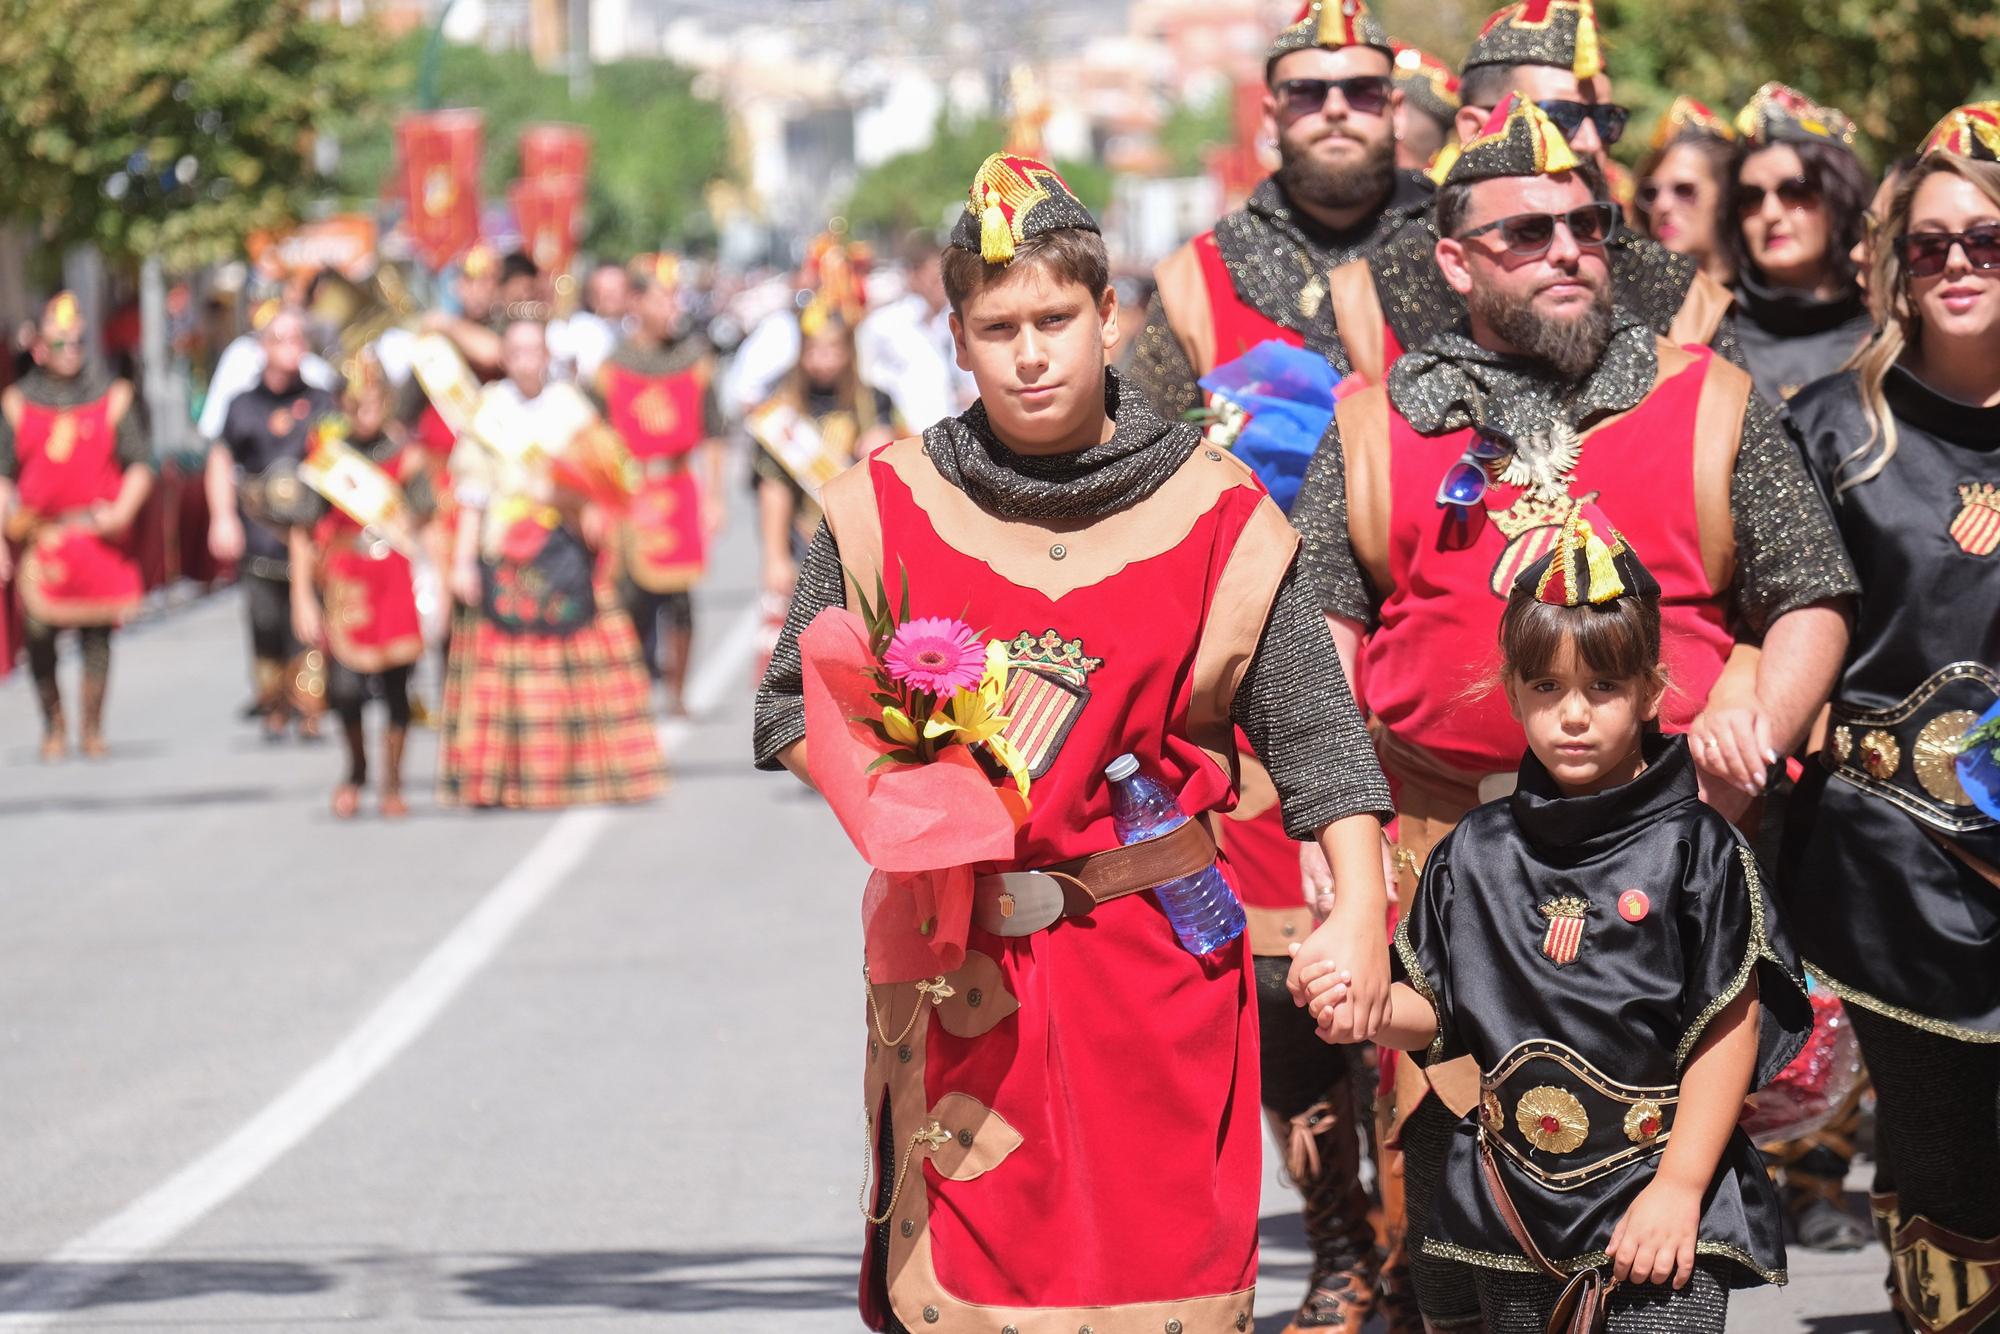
(74, 471)
(1335, 114)
(1546, 52)
(1434, 490)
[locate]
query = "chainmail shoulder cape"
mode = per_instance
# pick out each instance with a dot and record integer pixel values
(1788, 551)
(1293, 701)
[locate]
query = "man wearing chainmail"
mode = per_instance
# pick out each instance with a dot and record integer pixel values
(1546, 52)
(1431, 492)
(1093, 1075)
(1332, 109)
(1334, 112)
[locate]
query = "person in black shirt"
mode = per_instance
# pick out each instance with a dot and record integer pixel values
(263, 438)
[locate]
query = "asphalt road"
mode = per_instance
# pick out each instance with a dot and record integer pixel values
(260, 1070)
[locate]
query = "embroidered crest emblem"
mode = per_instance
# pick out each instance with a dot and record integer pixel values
(1977, 527)
(655, 411)
(1046, 691)
(1531, 525)
(1564, 937)
(62, 438)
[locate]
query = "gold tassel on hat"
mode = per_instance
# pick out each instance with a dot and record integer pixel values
(996, 238)
(1589, 62)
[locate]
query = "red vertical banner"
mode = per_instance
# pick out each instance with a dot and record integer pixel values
(555, 150)
(1237, 168)
(438, 158)
(546, 208)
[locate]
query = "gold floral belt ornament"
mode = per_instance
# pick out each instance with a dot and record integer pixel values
(1565, 1122)
(1907, 754)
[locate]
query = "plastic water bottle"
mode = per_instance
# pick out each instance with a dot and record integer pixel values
(1202, 908)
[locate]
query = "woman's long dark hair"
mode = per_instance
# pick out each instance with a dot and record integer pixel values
(1845, 189)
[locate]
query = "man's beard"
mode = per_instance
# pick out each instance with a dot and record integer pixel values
(1367, 182)
(1570, 345)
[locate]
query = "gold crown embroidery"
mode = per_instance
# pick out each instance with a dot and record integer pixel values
(1986, 495)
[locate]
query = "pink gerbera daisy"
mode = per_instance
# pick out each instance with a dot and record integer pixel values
(936, 654)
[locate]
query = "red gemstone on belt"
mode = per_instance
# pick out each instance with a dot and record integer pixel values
(1650, 1126)
(1551, 1126)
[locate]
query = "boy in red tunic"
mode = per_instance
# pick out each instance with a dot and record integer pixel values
(1067, 1126)
(74, 465)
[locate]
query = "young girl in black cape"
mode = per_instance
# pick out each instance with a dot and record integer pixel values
(1602, 942)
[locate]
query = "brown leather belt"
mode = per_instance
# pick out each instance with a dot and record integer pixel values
(1020, 903)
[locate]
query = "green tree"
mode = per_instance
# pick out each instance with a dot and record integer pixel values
(170, 129)
(1191, 129)
(922, 187)
(655, 145)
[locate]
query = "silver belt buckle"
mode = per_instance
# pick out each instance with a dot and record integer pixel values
(1017, 903)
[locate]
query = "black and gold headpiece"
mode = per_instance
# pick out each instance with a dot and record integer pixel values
(1591, 564)
(1518, 139)
(1562, 33)
(1012, 200)
(1332, 24)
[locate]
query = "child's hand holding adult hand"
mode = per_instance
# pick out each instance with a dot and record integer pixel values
(1654, 1241)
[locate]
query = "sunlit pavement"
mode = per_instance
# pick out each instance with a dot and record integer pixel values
(266, 1071)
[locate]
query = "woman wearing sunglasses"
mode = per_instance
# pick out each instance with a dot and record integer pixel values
(1684, 186)
(1891, 848)
(1800, 198)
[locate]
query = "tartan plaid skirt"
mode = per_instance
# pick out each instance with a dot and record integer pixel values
(541, 721)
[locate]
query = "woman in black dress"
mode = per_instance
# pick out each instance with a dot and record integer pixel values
(1892, 867)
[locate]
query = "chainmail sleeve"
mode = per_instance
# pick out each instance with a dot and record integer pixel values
(1726, 344)
(1788, 552)
(1326, 562)
(1294, 705)
(1160, 367)
(778, 718)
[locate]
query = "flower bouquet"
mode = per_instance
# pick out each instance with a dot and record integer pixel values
(1271, 406)
(905, 738)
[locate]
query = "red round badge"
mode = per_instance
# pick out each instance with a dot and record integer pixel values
(1633, 905)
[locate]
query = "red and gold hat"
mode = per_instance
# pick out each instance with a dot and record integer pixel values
(1689, 119)
(62, 314)
(1591, 564)
(663, 267)
(1562, 33)
(1332, 24)
(1778, 114)
(1012, 200)
(1972, 130)
(1518, 139)
(1427, 82)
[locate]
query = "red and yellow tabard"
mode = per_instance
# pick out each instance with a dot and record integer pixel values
(69, 462)
(661, 420)
(1660, 471)
(1093, 1085)
(368, 588)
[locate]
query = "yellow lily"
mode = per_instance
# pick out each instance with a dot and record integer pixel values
(973, 716)
(897, 724)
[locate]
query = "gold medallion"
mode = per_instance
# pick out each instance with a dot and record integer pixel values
(1935, 755)
(1644, 1121)
(1490, 1114)
(1552, 1119)
(1843, 744)
(1880, 755)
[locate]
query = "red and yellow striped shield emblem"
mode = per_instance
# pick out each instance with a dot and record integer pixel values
(1046, 692)
(1977, 527)
(1531, 526)
(1564, 937)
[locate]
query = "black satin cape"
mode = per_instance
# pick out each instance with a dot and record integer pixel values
(1634, 1003)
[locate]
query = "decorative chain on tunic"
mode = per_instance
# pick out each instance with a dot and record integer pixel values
(1521, 1304)
(1293, 701)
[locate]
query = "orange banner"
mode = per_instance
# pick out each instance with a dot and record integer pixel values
(555, 150)
(345, 244)
(546, 208)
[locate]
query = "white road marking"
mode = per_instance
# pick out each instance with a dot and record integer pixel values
(38, 1297)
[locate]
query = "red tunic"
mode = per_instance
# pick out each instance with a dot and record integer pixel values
(1094, 1084)
(69, 462)
(369, 592)
(660, 420)
(1447, 578)
(1238, 325)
